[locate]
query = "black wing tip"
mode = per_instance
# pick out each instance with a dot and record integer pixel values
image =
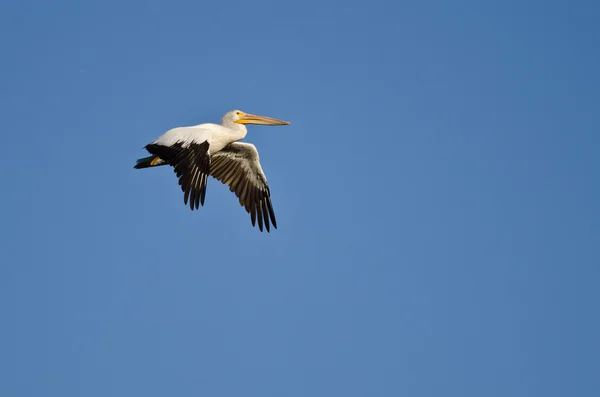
(262, 211)
(194, 205)
(267, 229)
(264, 225)
(187, 163)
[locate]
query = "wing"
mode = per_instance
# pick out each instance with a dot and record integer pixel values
(187, 151)
(238, 166)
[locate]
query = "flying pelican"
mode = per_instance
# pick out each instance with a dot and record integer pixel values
(198, 151)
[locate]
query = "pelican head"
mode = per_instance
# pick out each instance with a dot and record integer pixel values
(239, 117)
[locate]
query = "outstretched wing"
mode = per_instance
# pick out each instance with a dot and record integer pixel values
(238, 166)
(187, 150)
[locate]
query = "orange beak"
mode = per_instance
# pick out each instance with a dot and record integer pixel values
(261, 120)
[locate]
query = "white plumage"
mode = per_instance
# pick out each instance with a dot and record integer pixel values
(196, 152)
(186, 135)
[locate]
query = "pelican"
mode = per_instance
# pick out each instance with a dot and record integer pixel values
(198, 151)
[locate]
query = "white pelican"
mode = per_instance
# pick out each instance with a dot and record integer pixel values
(210, 149)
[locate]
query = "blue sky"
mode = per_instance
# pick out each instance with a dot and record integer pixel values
(436, 195)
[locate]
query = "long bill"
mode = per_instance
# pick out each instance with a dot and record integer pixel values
(261, 120)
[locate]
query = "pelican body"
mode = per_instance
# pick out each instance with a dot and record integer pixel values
(198, 151)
